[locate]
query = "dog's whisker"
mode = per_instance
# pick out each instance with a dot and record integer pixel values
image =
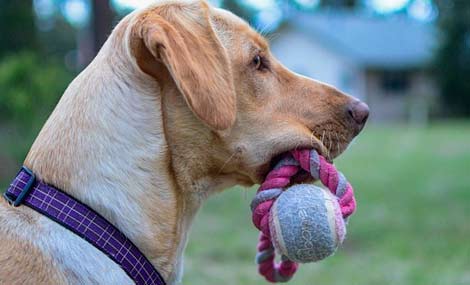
(297, 145)
(226, 162)
(263, 30)
(273, 36)
(245, 194)
(337, 143)
(330, 142)
(312, 137)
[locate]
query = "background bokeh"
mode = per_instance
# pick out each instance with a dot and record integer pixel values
(409, 59)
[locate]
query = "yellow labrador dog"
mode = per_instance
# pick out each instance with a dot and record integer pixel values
(182, 101)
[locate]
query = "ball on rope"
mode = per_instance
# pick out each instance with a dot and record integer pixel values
(303, 222)
(306, 223)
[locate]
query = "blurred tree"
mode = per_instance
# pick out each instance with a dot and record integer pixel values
(453, 56)
(30, 86)
(17, 28)
(58, 40)
(102, 22)
(92, 37)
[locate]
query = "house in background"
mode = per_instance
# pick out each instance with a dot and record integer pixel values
(381, 60)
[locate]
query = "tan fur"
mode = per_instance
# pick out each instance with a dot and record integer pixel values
(204, 76)
(171, 110)
(16, 256)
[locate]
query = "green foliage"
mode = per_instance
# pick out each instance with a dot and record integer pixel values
(17, 28)
(453, 56)
(29, 88)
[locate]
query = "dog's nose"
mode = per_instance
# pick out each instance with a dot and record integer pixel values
(359, 112)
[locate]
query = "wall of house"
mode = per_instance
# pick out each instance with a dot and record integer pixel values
(303, 55)
(410, 105)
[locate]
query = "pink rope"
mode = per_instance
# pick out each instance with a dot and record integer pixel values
(281, 177)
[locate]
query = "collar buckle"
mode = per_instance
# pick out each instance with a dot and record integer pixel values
(16, 201)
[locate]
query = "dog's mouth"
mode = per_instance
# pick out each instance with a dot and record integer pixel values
(277, 156)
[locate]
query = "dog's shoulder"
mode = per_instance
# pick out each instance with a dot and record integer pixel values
(21, 260)
(37, 250)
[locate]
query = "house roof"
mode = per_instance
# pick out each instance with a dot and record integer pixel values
(370, 40)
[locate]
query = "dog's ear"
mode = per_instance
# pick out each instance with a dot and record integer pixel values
(182, 38)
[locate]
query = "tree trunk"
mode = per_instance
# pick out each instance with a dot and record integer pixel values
(90, 39)
(102, 23)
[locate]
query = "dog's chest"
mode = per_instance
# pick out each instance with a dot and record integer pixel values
(80, 262)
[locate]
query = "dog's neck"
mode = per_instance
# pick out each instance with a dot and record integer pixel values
(109, 144)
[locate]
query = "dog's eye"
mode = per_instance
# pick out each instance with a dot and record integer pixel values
(258, 62)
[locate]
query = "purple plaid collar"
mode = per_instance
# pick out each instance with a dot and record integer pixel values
(84, 222)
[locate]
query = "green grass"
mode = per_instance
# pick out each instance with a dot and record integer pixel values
(412, 225)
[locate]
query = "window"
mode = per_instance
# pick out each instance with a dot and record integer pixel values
(395, 81)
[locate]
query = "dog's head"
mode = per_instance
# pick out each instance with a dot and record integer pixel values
(231, 93)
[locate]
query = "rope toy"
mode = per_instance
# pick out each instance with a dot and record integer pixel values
(304, 223)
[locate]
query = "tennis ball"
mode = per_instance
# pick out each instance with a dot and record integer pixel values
(306, 224)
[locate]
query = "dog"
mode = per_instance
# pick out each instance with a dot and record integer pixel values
(182, 101)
